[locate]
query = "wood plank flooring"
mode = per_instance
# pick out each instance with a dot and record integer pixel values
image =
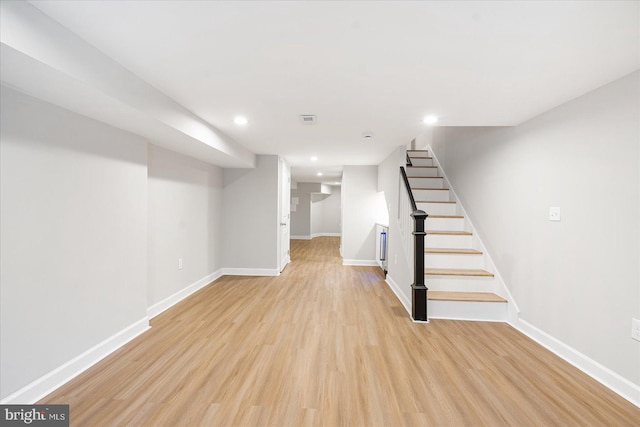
(328, 345)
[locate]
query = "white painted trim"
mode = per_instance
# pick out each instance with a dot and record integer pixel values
(250, 272)
(326, 235)
(401, 297)
(171, 300)
(595, 370)
(360, 262)
(49, 382)
(288, 260)
(300, 237)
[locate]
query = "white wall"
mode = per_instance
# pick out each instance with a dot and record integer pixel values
(73, 236)
(93, 221)
(399, 266)
(185, 213)
(250, 218)
(359, 188)
(45, 59)
(576, 280)
(325, 213)
(301, 218)
(318, 210)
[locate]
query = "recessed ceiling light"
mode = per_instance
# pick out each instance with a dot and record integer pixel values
(240, 120)
(430, 120)
(319, 174)
(314, 159)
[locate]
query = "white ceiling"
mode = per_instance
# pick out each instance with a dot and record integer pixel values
(360, 66)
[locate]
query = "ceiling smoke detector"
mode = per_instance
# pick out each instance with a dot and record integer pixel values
(367, 135)
(308, 119)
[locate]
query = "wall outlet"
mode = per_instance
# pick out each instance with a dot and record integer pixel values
(635, 329)
(179, 263)
(554, 213)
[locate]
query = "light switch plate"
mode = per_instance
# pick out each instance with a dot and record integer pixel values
(554, 213)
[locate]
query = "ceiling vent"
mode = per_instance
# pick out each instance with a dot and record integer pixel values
(308, 119)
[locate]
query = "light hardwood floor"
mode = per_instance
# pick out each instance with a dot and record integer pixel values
(330, 345)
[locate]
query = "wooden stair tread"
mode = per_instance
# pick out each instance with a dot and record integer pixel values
(423, 167)
(431, 177)
(445, 216)
(421, 157)
(428, 188)
(457, 272)
(464, 296)
(434, 201)
(417, 151)
(452, 251)
(450, 232)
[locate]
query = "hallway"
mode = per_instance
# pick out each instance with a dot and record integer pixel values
(329, 345)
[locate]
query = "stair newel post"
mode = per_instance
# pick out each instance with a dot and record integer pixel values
(418, 288)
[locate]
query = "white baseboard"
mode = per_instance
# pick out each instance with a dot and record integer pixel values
(250, 272)
(402, 297)
(47, 383)
(326, 235)
(600, 373)
(360, 262)
(300, 237)
(171, 300)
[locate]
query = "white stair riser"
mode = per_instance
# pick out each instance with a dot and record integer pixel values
(460, 283)
(453, 224)
(447, 241)
(467, 310)
(435, 195)
(453, 261)
(415, 161)
(437, 208)
(426, 182)
(419, 172)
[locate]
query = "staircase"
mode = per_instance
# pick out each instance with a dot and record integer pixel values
(459, 285)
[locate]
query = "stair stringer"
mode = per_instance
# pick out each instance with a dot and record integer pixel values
(500, 288)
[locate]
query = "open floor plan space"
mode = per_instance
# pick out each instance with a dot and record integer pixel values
(330, 345)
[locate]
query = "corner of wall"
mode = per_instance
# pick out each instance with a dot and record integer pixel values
(49, 382)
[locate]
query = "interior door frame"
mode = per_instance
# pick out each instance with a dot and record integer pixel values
(284, 213)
